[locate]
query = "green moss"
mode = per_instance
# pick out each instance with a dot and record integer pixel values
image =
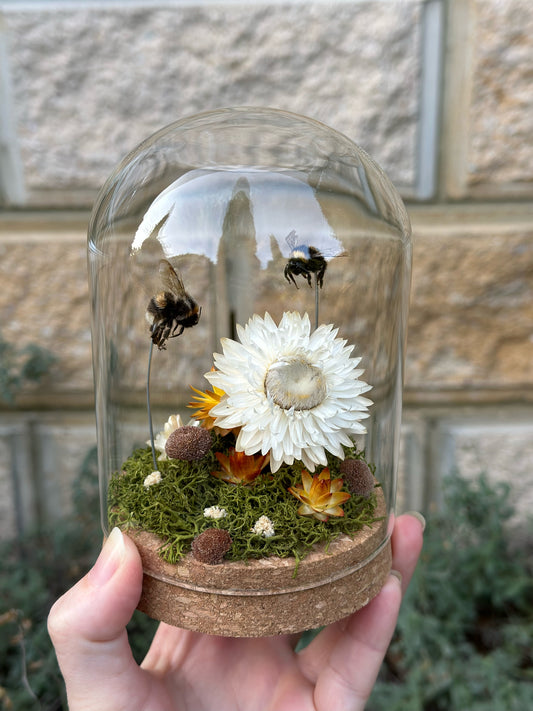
(174, 508)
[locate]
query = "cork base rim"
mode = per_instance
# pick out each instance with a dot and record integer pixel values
(264, 597)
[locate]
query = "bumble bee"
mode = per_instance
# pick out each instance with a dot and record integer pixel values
(304, 261)
(171, 311)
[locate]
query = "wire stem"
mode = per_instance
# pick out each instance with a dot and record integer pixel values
(149, 407)
(316, 301)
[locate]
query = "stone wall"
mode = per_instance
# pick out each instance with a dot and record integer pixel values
(438, 92)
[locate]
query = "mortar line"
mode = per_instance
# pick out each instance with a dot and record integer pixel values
(431, 61)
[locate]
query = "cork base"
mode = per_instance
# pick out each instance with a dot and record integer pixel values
(263, 597)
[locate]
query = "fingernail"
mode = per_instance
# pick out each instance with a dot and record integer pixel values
(109, 560)
(396, 574)
(418, 515)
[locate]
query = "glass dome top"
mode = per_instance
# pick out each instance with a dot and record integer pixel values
(282, 157)
(249, 273)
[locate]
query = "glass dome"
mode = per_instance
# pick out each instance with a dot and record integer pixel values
(249, 277)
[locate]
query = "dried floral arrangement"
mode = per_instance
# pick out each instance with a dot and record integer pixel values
(268, 464)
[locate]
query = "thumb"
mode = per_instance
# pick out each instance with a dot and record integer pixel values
(87, 627)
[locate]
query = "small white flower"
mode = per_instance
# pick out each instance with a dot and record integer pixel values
(292, 392)
(151, 479)
(160, 440)
(263, 527)
(215, 512)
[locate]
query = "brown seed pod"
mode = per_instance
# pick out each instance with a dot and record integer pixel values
(211, 546)
(189, 443)
(358, 477)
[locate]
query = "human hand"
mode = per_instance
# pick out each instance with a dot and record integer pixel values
(187, 671)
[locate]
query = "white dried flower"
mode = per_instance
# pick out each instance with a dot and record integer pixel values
(151, 479)
(215, 512)
(263, 527)
(293, 392)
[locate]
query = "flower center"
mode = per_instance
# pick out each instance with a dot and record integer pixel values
(295, 383)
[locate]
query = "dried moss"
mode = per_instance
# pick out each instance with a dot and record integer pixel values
(174, 508)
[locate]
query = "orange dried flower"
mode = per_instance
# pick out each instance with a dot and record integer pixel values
(240, 468)
(320, 495)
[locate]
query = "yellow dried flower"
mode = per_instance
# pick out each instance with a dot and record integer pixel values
(320, 495)
(205, 401)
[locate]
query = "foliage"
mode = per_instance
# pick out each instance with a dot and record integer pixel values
(188, 488)
(463, 640)
(21, 365)
(34, 572)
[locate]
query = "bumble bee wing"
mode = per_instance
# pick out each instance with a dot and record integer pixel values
(332, 254)
(170, 278)
(292, 239)
(300, 248)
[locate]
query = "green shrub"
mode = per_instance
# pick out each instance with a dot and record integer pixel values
(463, 641)
(464, 637)
(34, 572)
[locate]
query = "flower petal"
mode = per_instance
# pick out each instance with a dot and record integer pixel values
(306, 435)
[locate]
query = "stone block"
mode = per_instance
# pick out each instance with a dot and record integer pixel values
(488, 103)
(44, 299)
(471, 304)
(411, 474)
(470, 326)
(89, 84)
(40, 457)
(8, 520)
(18, 501)
(497, 444)
(62, 441)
